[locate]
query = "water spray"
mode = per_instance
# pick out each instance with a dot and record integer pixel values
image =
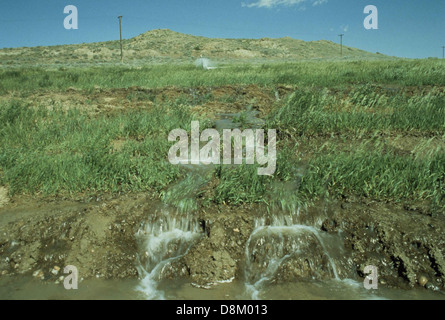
(205, 63)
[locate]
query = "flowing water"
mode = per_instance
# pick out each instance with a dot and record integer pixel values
(278, 242)
(285, 256)
(269, 246)
(28, 288)
(165, 238)
(275, 239)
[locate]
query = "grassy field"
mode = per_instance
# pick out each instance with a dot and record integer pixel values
(371, 130)
(319, 74)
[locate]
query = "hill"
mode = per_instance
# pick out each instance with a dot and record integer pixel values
(166, 45)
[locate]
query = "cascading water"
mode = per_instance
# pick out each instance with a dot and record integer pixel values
(280, 240)
(165, 238)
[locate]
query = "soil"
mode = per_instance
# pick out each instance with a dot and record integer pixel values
(41, 237)
(204, 100)
(97, 237)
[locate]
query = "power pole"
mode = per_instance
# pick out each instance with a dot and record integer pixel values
(341, 44)
(443, 52)
(120, 28)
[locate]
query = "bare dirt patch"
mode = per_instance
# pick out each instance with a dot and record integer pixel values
(204, 100)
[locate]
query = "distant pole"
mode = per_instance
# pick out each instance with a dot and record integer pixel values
(443, 52)
(120, 29)
(341, 44)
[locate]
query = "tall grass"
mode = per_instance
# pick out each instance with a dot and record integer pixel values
(379, 175)
(312, 112)
(365, 172)
(67, 151)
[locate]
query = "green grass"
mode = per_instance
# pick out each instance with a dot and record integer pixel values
(59, 151)
(312, 112)
(365, 172)
(374, 173)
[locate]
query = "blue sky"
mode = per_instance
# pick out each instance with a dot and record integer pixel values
(407, 28)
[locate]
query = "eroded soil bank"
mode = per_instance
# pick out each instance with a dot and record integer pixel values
(40, 237)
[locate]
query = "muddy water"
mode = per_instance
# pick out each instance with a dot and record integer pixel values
(285, 257)
(26, 288)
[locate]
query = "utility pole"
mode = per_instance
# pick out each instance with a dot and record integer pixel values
(443, 52)
(341, 44)
(120, 28)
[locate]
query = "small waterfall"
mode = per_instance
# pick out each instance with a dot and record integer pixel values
(276, 240)
(168, 236)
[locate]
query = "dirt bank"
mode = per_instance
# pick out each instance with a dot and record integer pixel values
(97, 237)
(40, 237)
